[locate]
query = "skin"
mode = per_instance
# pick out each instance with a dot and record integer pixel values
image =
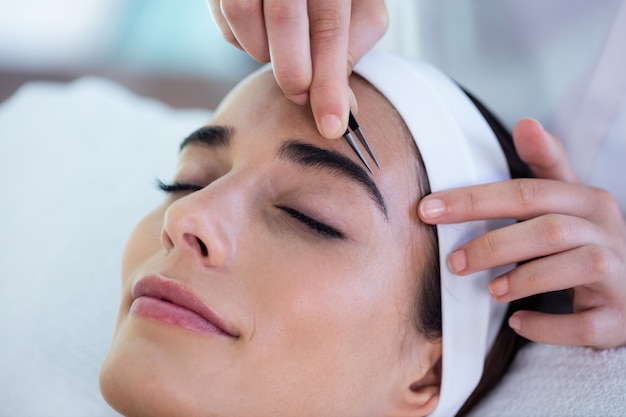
(576, 230)
(323, 324)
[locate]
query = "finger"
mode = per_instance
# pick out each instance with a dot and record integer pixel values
(369, 21)
(520, 199)
(289, 46)
(543, 152)
(594, 327)
(542, 236)
(246, 21)
(329, 22)
(587, 265)
(220, 21)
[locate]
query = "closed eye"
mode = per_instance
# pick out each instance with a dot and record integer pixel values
(316, 226)
(178, 187)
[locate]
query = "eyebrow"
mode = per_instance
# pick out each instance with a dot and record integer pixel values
(211, 136)
(296, 151)
(309, 155)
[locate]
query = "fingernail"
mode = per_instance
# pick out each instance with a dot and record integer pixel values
(354, 106)
(457, 261)
(300, 99)
(431, 208)
(499, 287)
(331, 126)
(515, 323)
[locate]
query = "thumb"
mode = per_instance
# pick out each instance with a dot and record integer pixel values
(543, 152)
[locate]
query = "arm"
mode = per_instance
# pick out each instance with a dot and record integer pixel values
(313, 46)
(574, 235)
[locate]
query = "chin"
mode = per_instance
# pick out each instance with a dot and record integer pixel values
(136, 386)
(157, 370)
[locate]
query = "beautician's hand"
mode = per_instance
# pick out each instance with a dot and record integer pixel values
(312, 44)
(574, 234)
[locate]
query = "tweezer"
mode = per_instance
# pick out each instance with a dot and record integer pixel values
(353, 127)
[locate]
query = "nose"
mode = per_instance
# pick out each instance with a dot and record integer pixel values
(203, 226)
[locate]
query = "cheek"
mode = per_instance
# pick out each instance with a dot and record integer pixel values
(349, 317)
(143, 242)
(343, 299)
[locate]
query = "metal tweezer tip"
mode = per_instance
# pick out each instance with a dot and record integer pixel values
(354, 125)
(350, 139)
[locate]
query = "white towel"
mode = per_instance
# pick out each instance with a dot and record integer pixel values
(560, 381)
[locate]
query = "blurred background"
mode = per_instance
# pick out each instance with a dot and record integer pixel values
(167, 49)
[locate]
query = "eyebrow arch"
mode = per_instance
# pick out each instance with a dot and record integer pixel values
(309, 155)
(211, 136)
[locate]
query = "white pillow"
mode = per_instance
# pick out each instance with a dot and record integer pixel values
(78, 165)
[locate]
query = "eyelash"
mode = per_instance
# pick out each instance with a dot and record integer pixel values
(314, 225)
(178, 187)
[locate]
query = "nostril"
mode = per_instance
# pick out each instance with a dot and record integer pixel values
(203, 248)
(194, 244)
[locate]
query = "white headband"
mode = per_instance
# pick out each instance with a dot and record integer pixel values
(458, 148)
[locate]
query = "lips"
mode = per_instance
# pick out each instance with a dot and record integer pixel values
(172, 303)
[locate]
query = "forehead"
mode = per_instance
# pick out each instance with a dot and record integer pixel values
(258, 109)
(258, 100)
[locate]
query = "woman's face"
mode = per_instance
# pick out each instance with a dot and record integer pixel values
(283, 285)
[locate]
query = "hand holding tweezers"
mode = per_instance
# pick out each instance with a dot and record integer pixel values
(353, 127)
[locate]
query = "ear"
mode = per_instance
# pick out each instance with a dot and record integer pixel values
(421, 385)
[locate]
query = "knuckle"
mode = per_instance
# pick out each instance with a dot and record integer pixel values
(281, 12)
(527, 193)
(532, 282)
(600, 262)
(326, 25)
(470, 203)
(589, 330)
(292, 79)
(603, 197)
(557, 230)
(489, 246)
(607, 202)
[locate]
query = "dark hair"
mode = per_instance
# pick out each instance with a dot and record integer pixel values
(427, 310)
